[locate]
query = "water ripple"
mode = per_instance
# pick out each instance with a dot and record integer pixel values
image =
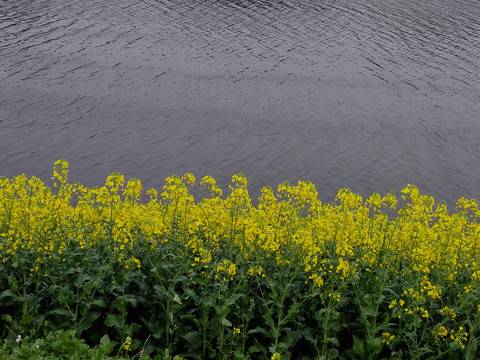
(368, 95)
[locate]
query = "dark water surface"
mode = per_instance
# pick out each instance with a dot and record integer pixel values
(365, 94)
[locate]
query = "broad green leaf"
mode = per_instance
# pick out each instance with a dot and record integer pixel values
(375, 344)
(358, 346)
(177, 299)
(225, 322)
(333, 354)
(233, 299)
(470, 350)
(194, 338)
(99, 303)
(8, 294)
(60, 311)
(112, 320)
(133, 301)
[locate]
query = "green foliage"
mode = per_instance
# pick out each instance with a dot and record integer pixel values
(52, 346)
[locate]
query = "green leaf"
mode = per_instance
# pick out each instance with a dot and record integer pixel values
(268, 318)
(8, 294)
(7, 318)
(358, 346)
(159, 290)
(292, 311)
(255, 348)
(112, 320)
(27, 319)
(84, 278)
(334, 341)
(307, 334)
(209, 302)
(156, 328)
(281, 346)
(133, 301)
(333, 354)
(194, 339)
(99, 303)
(366, 313)
(225, 322)
(375, 345)
(252, 331)
(287, 340)
(190, 293)
(233, 299)
(88, 286)
(105, 340)
(62, 312)
(105, 346)
(470, 350)
(89, 319)
(66, 295)
(177, 299)
(180, 278)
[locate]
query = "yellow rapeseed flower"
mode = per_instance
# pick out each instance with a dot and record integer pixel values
(276, 356)
(387, 338)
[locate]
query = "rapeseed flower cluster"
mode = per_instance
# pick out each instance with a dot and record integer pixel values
(332, 246)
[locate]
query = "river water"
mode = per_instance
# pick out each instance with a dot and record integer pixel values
(365, 94)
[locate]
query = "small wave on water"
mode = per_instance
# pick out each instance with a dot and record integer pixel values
(369, 95)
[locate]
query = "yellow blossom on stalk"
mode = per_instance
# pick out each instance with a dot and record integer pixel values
(387, 338)
(316, 279)
(468, 207)
(343, 268)
(449, 312)
(276, 356)
(408, 311)
(211, 184)
(133, 190)
(423, 312)
(375, 202)
(206, 255)
(348, 199)
(411, 192)
(240, 179)
(431, 290)
(227, 267)
(459, 336)
(132, 262)
(256, 270)
(441, 332)
(127, 343)
(189, 178)
(336, 297)
(392, 304)
(34, 270)
(390, 200)
(414, 294)
(476, 275)
(60, 173)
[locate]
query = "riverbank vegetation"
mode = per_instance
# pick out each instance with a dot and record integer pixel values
(96, 273)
